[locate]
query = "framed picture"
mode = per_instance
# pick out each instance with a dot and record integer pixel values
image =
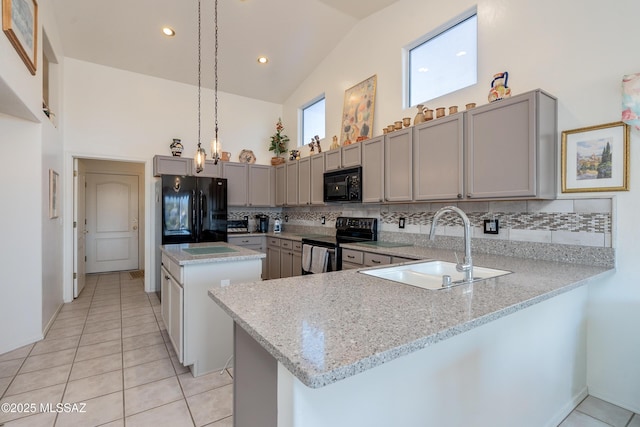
(53, 193)
(20, 24)
(357, 113)
(596, 158)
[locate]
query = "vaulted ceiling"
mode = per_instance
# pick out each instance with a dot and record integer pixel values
(294, 34)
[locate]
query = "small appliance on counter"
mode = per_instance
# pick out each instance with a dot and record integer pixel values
(277, 226)
(237, 226)
(262, 223)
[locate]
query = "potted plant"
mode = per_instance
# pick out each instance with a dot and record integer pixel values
(278, 144)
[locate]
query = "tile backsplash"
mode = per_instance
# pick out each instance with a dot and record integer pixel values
(587, 223)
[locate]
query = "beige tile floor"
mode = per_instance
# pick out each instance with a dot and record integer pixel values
(108, 351)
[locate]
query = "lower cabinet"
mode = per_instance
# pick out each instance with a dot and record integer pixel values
(256, 243)
(359, 259)
(172, 306)
(284, 258)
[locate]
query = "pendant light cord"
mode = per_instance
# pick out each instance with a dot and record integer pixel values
(199, 69)
(215, 68)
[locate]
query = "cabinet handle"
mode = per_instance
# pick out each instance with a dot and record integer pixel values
(468, 194)
(245, 241)
(459, 196)
(375, 261)
(350, 256)
(166, 277)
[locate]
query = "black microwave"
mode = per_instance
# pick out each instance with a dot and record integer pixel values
(343, 185)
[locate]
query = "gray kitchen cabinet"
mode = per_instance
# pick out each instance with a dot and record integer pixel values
(438, 160)
(304, 181)
(373, 170)
(398, 166)
(236, 175)
(257, 243)
(210, 170)
(261, 189)
(273, 257)
(281, 184)
(172, 306)
(170, 165)
(290, 258)
(317, 179)
(511, 148)
(344, 157)
(352, 259)
(292, 183)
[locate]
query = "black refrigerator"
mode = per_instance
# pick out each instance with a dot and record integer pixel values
(193, 209)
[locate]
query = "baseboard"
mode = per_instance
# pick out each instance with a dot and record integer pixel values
(567, 408)
(615, 400)
(53, 318)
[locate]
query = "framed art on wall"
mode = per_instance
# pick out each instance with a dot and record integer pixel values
(53, 193)
(596, 158)
(20, 24)
(357, 112)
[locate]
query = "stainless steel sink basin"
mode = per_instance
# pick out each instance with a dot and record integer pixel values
(429, 274)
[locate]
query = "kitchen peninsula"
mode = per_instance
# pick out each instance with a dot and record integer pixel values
(348, 349)
(201, 333)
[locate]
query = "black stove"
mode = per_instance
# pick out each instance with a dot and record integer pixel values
(348, 230)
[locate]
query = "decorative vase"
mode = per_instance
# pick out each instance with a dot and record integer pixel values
(406, 121)
(275, 161)
(439, 112)
(420, 116)
(428, 114)
(499, 87)
(470, 105)
(453, 109)
(176, 147)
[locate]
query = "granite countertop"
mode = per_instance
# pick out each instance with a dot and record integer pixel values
(327, 327)
(208, 252)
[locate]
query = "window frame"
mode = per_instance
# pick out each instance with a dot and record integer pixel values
(320, 98)
(406, 52)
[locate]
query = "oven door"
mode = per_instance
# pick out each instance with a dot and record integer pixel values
(334, 257)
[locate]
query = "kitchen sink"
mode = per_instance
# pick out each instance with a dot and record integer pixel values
(429, 274)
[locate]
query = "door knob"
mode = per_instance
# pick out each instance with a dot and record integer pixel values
(135, 227)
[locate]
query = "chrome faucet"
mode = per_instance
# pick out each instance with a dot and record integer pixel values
(467, 265)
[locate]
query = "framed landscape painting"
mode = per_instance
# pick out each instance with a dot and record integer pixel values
(357, 112)
(20, 24)
(596, 158)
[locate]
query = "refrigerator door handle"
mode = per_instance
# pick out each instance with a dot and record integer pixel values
(202, 212)
(194, 217)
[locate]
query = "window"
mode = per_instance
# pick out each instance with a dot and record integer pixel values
(312, 121)
(443, 61)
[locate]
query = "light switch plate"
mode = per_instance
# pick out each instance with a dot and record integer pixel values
(401, 222)
(491, 226)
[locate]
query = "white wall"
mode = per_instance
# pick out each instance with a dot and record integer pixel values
(31, 289)
(576, 50)
(119, 115)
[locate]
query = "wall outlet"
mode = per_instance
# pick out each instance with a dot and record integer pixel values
(401, 222)
(491, 226)
(322, 220)
(286, 218)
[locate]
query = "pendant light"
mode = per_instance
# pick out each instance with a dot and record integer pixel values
(215, 144)
(201, 155)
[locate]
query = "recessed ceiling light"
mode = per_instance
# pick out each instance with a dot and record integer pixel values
(168, 31)
(263, 59)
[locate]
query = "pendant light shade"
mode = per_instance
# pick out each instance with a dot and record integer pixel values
(199, 159)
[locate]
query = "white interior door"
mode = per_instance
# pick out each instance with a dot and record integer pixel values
(112, 222)
(80, 229)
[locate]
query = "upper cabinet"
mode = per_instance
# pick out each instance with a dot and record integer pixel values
(373, 170)
(292, 183)
(304, 181)
(317, 179)
(281, 184)
(511, 148)
(438, 160)
(249, 185)
(398, 166)
(169, 165)
(344, 157)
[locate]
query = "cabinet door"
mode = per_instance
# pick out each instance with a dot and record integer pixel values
(281, 185)
(304, 181)
(166, 298)
(333, 159)
(168, 165)
(273, 261)
(438, 159)
(292, 183)
(501, 142)
(286, 263)
(177, 322)
(398, 166)
(373, 170)
(260, 185)
(296, 263)
(317, 179)
(237, 176)
(352, 155)
(211, 170)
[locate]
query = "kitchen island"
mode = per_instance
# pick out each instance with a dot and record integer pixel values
(201, 332)
(348, 349)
